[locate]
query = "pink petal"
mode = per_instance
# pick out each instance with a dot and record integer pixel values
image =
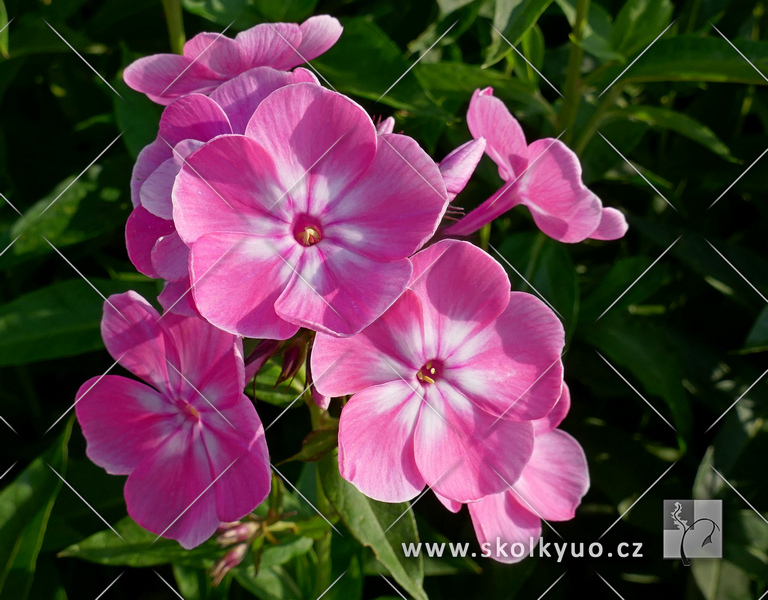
(463, 452)
(166, 493)
(151, 157)
(488, 118)
(556, 478)
(394, 208)
(388, 349)
(336, 291)
(229, 186)
(318, 34)
(176, 297)
(155, 194)
(613, 225)
(451, 505)
(454, 312)
(239, 97)
(270, 44)
(319, 141)
(551, 188)
(502, 200)
(194, 117)
(134, 338)
(501, 521)
(386, 126)
(216, 52)
(556, 415)
(170, 257)
(376, 442)
(512, 368)
(123, 421)
(459, 165)
(237, 280)
(165, 77)
(142, 230)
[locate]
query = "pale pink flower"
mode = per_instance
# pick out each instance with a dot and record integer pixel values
(551, 487)
(544, 176)
(445, 383)
(153, 245)
(307, 220)
(210, 59)
(189, 440)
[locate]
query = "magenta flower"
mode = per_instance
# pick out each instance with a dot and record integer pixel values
(307, 220)
(189, 440)
(545, 176)
(153, 245)
(210, 59)
(445, 383)
(551, 487)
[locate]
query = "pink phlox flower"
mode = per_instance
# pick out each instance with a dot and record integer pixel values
(189, 440)
(445, 383)
(545, 176)
(210, 59)
(307, 220)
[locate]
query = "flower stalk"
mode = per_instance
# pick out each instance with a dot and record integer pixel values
(572, 90)
(175, 21)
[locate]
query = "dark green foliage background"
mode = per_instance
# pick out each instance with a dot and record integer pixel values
(691, 336)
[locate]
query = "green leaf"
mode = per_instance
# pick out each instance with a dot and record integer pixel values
(757, 338)
(316, 445)
(638, 23)
(25, 506)
(60, 320)
(241, 14)
(692, 58)
(140, 548)
(598, 157)
(274, 583)
(137, 116)
(265, 390)
(3, 30)
(678, 122)
(721, 579)
(597, 30)
(195, 584)
(513, 18)
(371, 523)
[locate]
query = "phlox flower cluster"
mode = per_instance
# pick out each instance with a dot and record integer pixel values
(275, 209)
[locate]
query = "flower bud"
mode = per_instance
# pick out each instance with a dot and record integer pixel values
(293, 359)
(230, 560)
(240, 532)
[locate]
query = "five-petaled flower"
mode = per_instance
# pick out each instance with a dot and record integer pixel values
(210, 59)
(545, 176)
(445, 383)
(189, 440)
(307, 220)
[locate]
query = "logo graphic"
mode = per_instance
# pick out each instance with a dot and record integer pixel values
(692, 529)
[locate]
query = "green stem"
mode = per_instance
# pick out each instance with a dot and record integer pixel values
(173, 17)
(572, 90)
(591, 126)
(535, 252)
(485, 236)
(323, 546)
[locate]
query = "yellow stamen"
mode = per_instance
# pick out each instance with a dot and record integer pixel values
(310, 236)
